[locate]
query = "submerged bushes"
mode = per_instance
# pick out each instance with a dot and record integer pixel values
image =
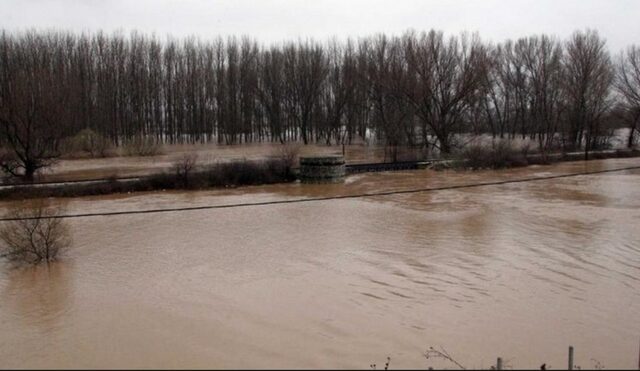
(225, 174)
(184, 176)
(35, 235)
(506, 154)
(247, 173)
(500, 154)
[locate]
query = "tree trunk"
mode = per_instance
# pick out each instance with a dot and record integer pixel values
(586, 147)
(445, 146)
(29, 172)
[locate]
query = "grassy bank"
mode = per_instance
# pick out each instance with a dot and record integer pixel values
(504, 155)
(232, 174)
(242, 173)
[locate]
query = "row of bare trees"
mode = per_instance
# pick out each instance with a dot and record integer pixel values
(418, 89)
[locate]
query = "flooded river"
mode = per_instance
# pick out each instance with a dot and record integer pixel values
(519, 270)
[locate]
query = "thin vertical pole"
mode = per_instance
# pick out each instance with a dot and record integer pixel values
(570, 358)
(499, 364)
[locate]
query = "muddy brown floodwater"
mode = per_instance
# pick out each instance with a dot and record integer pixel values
(520, 271)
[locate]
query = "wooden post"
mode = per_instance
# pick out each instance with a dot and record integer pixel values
(570, 358)
(499, 364)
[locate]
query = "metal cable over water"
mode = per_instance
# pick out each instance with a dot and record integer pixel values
(328, 198)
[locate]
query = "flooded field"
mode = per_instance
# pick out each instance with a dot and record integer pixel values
(91, 168)
(211, 153)
(520, 271)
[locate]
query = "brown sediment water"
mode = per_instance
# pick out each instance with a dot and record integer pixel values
(519, 271)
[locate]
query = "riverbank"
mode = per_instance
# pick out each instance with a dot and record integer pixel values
(261, 172)
(477, 158)
(223, 175)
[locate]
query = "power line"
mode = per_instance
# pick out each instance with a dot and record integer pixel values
(327, 198)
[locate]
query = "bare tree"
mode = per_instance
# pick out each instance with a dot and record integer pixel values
(32, 105)
(497, 100)
(450, 75)
(517, 82)
(184, 166)
(587, 82)
(392, 115)
(36, 234)
(542, 58)
(628, 86)
(334, 96)
(271, 92)
(306, 67)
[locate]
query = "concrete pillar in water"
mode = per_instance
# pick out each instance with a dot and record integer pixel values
(322, 169)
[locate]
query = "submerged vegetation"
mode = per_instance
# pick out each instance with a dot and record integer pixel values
(505, 154)
(500, 154)
(184, 175)
(34, 235)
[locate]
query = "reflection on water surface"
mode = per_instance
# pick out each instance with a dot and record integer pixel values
(518, 270)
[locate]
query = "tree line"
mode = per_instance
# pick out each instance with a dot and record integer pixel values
(419, 89)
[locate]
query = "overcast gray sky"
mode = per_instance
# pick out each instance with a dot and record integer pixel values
(276, 20)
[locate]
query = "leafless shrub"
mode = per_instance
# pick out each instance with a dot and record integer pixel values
(184, 166)
(442, 353)
(500, 154)
(89, 142)
(142, 146)
(288, 153)
(35, 234)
